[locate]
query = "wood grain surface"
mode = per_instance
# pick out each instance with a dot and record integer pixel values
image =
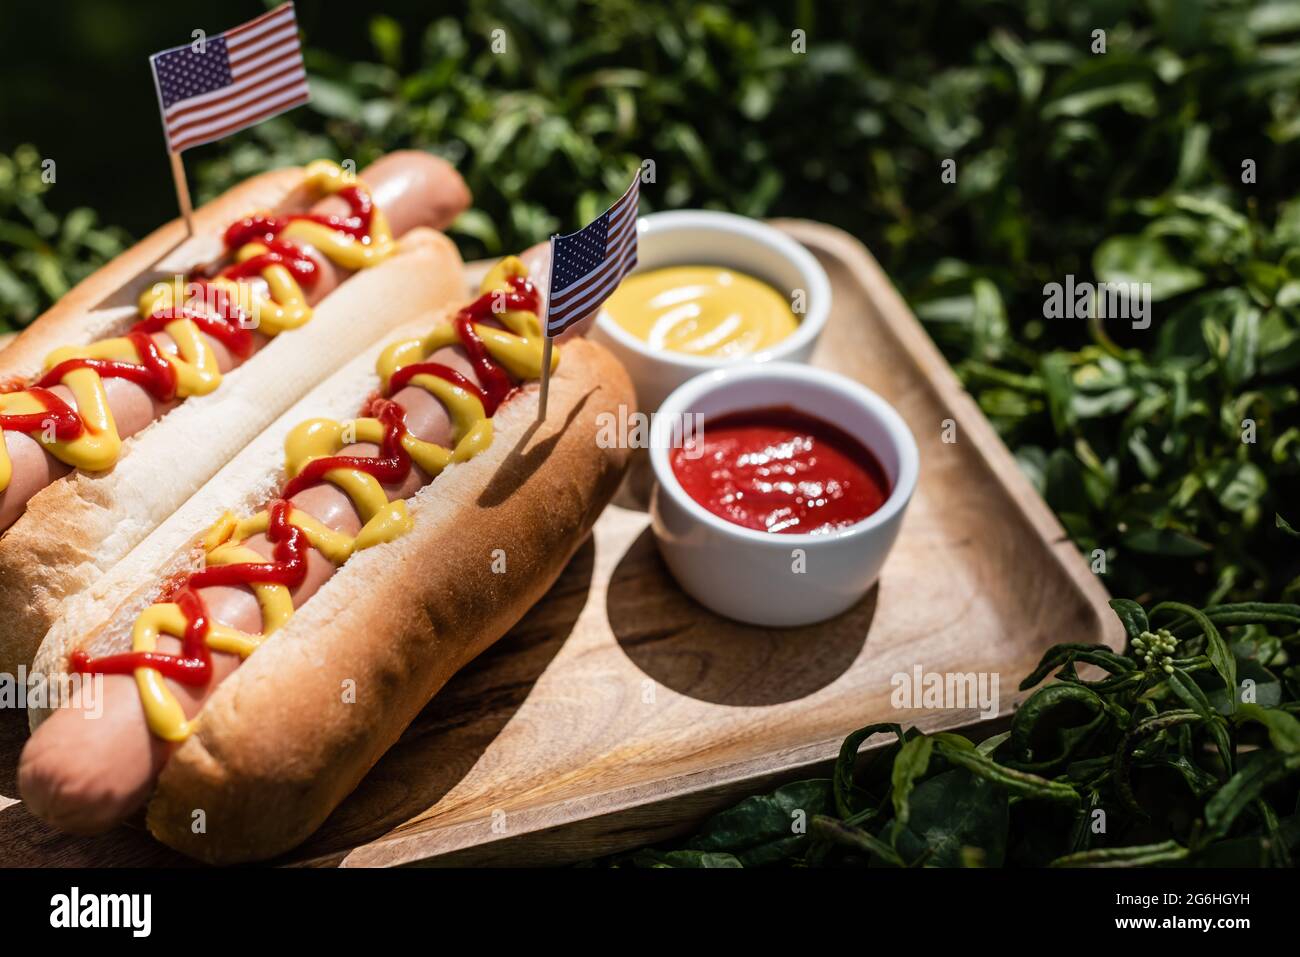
(619, 712)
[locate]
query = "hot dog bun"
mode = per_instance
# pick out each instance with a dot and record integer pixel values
(76, 528)
(277, 746)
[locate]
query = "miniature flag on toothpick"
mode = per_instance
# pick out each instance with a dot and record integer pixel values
(586, 267)
(219, 85)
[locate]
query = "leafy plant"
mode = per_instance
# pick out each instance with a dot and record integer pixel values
(1164, 462)
(1122, 166)
(42, 254)
(1184, 751)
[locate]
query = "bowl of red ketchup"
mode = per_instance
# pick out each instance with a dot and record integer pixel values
(779, 490)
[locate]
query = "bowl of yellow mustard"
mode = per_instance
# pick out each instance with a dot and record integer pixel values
(711, 289)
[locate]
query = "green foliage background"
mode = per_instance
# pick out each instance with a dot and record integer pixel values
(1068, 162)
(1115, 166)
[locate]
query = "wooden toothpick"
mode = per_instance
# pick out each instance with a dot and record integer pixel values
(546, 378)
(550, 340)
(182, 191)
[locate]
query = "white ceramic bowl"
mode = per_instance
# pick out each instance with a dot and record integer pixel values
(750, 575)
(705, 238)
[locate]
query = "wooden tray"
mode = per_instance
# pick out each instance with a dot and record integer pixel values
(619, 712)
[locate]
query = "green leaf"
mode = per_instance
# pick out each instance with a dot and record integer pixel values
(1156, 726)
(386, 37)
(1216, 648)
(1164, 541)
(1098, 85)
(1055, 372)
(1266, 691)
(1141, 855)
(1270, 18)
(857, 839)
(953, 811)
(1021, 783)
(1145, 259)
(1132, 615)
(1239, 486)
(989, 745)
(1066, 490)
(1055, 724)
(847, 798)
(1283, 728)
(910, 766)
(1195, 698)
(476, 223)
(1065, 656)
(1243, 346)
(764, 827)
(1243, 788)
(333, 99)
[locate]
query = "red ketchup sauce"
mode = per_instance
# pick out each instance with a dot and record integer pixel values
(780, 470)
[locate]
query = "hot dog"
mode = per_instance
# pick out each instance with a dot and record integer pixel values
(389, 584)
(128, 395)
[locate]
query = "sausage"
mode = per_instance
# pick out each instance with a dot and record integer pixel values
(411, 188)
(87, 776)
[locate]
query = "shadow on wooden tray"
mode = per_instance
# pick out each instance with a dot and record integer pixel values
(697, 653)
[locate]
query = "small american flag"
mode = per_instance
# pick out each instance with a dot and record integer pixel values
(588, 265)
(242, 77)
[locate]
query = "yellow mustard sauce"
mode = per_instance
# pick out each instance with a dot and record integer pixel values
(518, 348)
(281, 306)
(702, 311)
